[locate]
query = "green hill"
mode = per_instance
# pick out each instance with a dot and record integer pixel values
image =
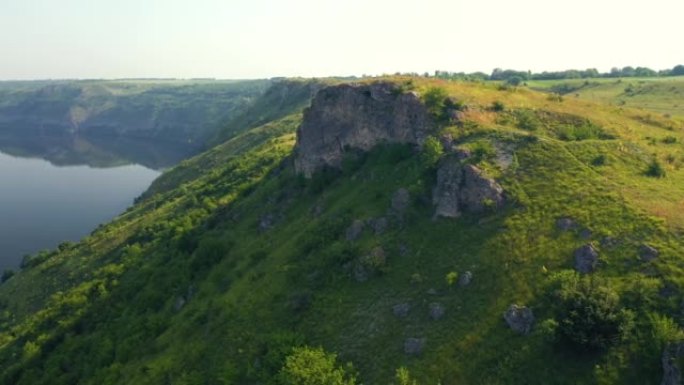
(234, 258)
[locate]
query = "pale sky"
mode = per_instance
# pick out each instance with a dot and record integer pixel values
(42, 39)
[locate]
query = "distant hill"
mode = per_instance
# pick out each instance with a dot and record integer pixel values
(423, 231)
(185, 112)
(661, 96)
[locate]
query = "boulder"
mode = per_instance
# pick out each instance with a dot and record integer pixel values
(360, 273)
(414, 346)
(609, 242)
(465, 278)
(565, 224)
(586, 259)
(436, 311)
(463, 153)
(401, 310)
(357, 117)
(266, 221)
(671, 373)
(519, 318)
(379, 225)
(401, 200)
(354, 230)
(585, 234)
(648, 253)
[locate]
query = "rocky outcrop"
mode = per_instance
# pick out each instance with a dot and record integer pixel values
(358, 117)
(464, 188)
(519, 318)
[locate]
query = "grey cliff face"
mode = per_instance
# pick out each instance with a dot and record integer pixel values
(357, 117)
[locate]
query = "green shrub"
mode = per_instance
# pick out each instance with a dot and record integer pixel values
(655, 169)
(589, 313)
(599, 160)
(432, 151)
(434, 99)
(497, 106)
(314, 366)
(402, 376)
(451, 278)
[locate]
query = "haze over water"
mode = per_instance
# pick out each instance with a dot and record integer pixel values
(42, 205)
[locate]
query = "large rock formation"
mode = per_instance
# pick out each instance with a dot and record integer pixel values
(672, 375)
(357, 117)
(464, 188)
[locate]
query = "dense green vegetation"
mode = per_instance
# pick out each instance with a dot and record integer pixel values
(232, 269)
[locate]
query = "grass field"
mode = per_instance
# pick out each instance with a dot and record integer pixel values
(661, 96)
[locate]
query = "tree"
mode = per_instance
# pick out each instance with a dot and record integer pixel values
(677, 70)
(590, 316)
(313, 366)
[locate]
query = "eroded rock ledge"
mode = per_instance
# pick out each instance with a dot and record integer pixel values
(357, 117)
(464, 188)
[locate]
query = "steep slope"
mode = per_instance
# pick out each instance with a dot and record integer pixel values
(235, 257)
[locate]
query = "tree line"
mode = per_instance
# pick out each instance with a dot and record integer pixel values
(509, 74)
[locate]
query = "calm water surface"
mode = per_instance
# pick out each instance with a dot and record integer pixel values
(42, 205)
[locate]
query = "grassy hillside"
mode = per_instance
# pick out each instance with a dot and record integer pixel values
(660, 96)
(231, 260)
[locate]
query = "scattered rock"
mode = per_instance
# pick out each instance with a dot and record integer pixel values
(354, 231)
(455, 116)
(300, 301)
(316, 210)
(585, 234)
(358, 117)
(586, 259)
(436, 311)
(648, 253)
(447, 142)
(404, 250)
(565, 224)
(432, 292)
(180, 303)
(519, 318)
(609, 242)
(401, 200)
(414, 346)
(463, 153)
(379, 225)
(465, 278)
(360, 273)
(401, 310)
(266, 222)
(671, 372)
